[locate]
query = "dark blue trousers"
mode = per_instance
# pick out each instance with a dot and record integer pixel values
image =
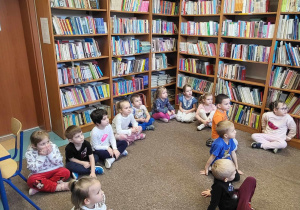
(78, 168)
(103, 154)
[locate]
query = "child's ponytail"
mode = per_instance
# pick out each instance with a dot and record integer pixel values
(274, 104)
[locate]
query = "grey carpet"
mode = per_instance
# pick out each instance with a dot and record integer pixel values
(162, 172)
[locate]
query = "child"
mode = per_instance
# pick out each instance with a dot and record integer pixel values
(45, 164)
(79, 154)
(87, 194)
(223, 194)
(223, 147)
(205, 111)
(187, 105)
(103, 140)
(141, 113)
(121, 122)
(162, 109)
(275, 125)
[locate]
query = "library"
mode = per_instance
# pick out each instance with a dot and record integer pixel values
(130, 67)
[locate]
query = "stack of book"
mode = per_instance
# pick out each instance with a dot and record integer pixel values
(239, 93)
(285, 78)
(79, 25)
(163, 27)
(79, 4)
(129, 84)
(199, 48)
(125, 46)
(129, 25)
(244, 115)
(145, 47)
(76, 49)
(210, 28)
(231, 71)
(246, 6)
(171, 94)
(84, 93)
(197, 84)
(200, 7)
(289, 27)
(286, 54)
(128, 65)
(195, 65)
(163, 44)
(161, 79)
(129, 5)
(78, 72)
(165, 7)
(251, 52)
(159, 61)
(252, 29)
(290, 6)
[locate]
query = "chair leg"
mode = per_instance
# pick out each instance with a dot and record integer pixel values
(3, 194)
(22, 194)
(21, 175)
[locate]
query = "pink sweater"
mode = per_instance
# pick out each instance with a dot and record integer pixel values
(277, 126)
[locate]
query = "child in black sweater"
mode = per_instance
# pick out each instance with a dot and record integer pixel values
(223, 193)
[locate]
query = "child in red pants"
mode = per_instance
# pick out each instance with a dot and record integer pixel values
(223, 194)
(45, 164)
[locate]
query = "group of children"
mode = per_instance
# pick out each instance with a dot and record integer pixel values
(109, 142)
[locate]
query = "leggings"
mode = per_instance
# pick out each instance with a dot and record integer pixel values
(132, 137)
(159, 115)
(245, 193)
(268, 141)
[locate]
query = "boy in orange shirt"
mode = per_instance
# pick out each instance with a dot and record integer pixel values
(223, 105)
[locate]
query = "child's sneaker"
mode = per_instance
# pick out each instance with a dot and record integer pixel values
(108, 162)
(164, 119)
(172, 116)
(210, 124)
(200, 127)
(209, 142)
(275, 151)
(256, 145)
(75, 175)
(150, 127)
(33, 191)
(99, 170)
(141, 136)
(125, 153)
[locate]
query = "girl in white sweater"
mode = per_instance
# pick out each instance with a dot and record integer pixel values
(275, 125)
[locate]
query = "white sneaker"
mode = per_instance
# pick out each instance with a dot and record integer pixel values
(109, 161)
(172, 116)
(210, 124)
(125, 153)
(164, 119)
(200, 127)
(33, 191)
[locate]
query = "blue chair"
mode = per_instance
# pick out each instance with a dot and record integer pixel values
(9, 167)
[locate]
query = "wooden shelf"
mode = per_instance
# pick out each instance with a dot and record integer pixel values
(204, 75)
(202, 15)
(87, 103)
(288, 40)
(251, 38)
(172, 83)
(131, 34)
(83, 59)
(157, 14)
(295, 116)
(247, 61)
(116, 56)
(165, 69)
(156, 34)
(285, 65)
(138, 91)
(129, 12)
(164, 52)
(287, 90)
(249, 81)
(212, 36)
(246, 104)
(294, 143)
(290, 13)
(250, 14)
(88, 81)
(125, 75)
(245, 128)
(205, 56)
(78, 9)
(79, 35)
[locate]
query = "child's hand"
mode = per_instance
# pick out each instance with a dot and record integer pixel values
(240, 172)
(116, 153)
(142, 120)
(43, 152)
(92, 174)
(206, 193)
(206, 122)
(86, 164)
(169, 113)
(146, 120)
(204, 172)
(110, 151)
(136, 129)
(173, 111)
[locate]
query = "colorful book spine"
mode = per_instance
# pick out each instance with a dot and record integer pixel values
(129, 25)
(165, 7)
(197, 84)
(210, 28)
(164, 44)
(200, 48)
(195, 65)
(163, 27)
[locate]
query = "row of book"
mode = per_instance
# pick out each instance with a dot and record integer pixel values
(161, 79)
(285, 78)
(84, 93)
(239, 93)
(159, 61)
(78, 72)
(290, 6)
(81, 115)
(199, 48)
(130, 5)
(76, 49)
(251, 52)
(292, 100)
(246, 6)
(163, 27)
(165, 7)
(129, 45)
(129, 25)
(289, 27)
(164, 44)
(244, 115)
(210, 28)
(79, 4)
(79, 25)
(285, 53)
(197, 84)
(231, 71)
(251, 29)
(129, 84)
(200, 7)
(195, 65)
(128, 65)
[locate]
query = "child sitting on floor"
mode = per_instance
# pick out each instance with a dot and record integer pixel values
(223, 194)
(121, 122)
(275, 125)
(45, 163)
(103, 140)
(79, 154)
(205, 111)
(223, 147)
(187, 105)
(162, 109)
(141, 113)
(87, 194)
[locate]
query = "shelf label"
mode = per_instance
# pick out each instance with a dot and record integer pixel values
(45, 30)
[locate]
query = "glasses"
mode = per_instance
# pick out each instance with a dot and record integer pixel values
(283, 109)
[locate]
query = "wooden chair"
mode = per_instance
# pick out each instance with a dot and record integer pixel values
(9, 167)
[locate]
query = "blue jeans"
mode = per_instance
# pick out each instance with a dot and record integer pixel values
(146, 124)
(78, 168)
